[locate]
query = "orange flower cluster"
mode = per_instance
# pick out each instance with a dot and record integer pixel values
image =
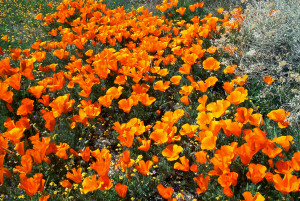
(107, 61)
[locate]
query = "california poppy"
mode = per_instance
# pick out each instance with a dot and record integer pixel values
(184, 165)
(211, 64)
(32, 185)
(121, 189)
(202, 183)
(171, 152)
(269, 80)
(256, 172)
(143, 167)
(76, 176)
(90, 184)
(257, 197)
(280, 116)
(165, 192)
(286, 185)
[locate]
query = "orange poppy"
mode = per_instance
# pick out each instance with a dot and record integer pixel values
(284, 141)
(4, 94)
(202, 183)
(19, 148)
(121, 189)
(160, 136)
(90, 184)
(14, 81)
(283, 167)
(85, 154)
(143, 167)
(257, 197)
(230, 69)
(126, 104)
(280, 116)
(145, 145)
(269, 80)
(201, 157)
(76, 176)
(185, 69)
(26, 162)
(159, 85)
(189, 130)
(183, 166)
(218, 108)
(62, 104)
(286, 185)
(175, 79)
(61, 150)
(165, 192)
(171, 152)
(36, 91)
(32, 185)
(256, 172)
(181, 10)
(211, 64)
(185, 100)
(66, 184)
(146, 100)
(239, 95)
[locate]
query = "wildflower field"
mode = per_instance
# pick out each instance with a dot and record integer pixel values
(149, 100)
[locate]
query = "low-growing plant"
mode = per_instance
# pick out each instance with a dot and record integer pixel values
(118, 104)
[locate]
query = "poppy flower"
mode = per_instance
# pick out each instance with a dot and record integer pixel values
(183, 166)
(175, 79)
(257, 197)
(14, 81)
(192, 8)
(26, 162)
(201, 157)
(121, 189)
(283, 167)
(160, 136)
(143, 167)
(126, 104)
(165, 192)
(4, 94)
(286, 185)
(185, 69)
(90, 184)
(269, 80)
(171, 152)
(218, 108)
(36, 91)
(19, 148)
(228, 192)
(146, 100)
(145, 145)
(202, 183)
(32, 185)
(181, 10)
(284, 141)
(76, 176)
(239, 95)
(189, 130)
(61, 150)
(66, 184)
(211, 64)
(159, 85)
(256, 172)
(280, 116)
(85, 154)
(62, 104)
(4, 38)
(185, 100)
(230, 69)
